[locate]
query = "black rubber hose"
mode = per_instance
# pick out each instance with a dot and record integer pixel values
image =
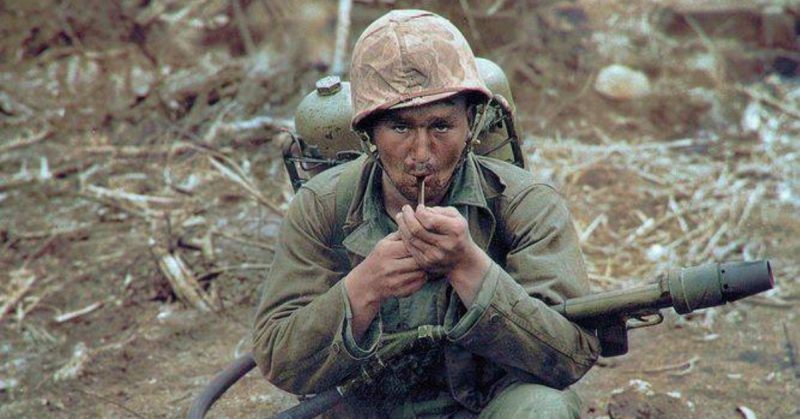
(220, 384)
(313, 407)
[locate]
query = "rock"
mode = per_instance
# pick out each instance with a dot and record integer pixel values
(657, 253)
(752, 117)
(141, 80)
(622, 83)
(8, 384)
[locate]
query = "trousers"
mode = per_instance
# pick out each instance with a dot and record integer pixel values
(517, 401)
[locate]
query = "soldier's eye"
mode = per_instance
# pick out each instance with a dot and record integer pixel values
(400, 129)
(441, 128)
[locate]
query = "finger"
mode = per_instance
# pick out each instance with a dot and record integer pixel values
(405, 265)
(441, 224)
(413, 230)
(410, 287)
(396, 253)
(418, 248)
(410, 219)
(446, 211)
(399, 280)
(393, 246)
(403, 228)
(430, 259)
(398, 260)
(419, 255)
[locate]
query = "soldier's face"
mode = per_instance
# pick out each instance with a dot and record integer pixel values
(423, 141)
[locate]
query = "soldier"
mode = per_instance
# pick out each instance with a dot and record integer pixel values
(484, 255)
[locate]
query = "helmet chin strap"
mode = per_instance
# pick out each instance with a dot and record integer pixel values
(472, 137)
(477, 125)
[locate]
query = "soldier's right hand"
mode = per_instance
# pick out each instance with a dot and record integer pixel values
(388, 271)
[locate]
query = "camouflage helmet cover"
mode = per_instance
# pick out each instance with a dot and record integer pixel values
(410, 58)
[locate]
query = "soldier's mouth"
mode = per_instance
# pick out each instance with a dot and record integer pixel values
(427, 176)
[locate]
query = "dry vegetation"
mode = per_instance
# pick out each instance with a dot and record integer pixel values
(141, 188)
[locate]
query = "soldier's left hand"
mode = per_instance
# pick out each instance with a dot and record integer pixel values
(437, 237)
(439, 241)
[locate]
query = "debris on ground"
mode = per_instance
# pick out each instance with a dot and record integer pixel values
(639, 400)
(142, 186)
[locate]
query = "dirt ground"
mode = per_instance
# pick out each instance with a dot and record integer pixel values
(139, 147)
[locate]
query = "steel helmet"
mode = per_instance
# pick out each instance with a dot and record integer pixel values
(410, 58)
(497, 82)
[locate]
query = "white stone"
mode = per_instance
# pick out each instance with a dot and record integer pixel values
(751, 117)
(8, 383)
(657, 252)
(622, 83)
(641, 386)
(141, 81)
(704, 62)
(44, 169)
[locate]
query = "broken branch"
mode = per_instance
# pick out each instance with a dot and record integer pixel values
(24, 279)
(342, 34)
(182, 280)
(25, 142)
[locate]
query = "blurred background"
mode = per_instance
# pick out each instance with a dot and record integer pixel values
(141, 185)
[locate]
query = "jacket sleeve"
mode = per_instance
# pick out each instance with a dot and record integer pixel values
(298, 329)
(509, 321)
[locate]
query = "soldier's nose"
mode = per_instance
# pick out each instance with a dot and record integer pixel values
(422, 150)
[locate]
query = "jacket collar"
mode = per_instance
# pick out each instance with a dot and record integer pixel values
(467, 189)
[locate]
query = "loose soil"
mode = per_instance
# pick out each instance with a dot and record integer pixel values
(130, 129)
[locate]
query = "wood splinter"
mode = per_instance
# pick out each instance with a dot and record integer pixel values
(183, 281)
(421, 191)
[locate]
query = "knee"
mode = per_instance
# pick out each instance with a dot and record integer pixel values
(533, 401)
(551, 403)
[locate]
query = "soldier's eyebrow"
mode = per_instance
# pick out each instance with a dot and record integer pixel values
(451, 118)
(394, 118)
(446, 111)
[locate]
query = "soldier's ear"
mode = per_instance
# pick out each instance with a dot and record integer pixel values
(364, 136)
(367, 144)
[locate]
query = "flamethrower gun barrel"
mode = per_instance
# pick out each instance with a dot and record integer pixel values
(684, 289)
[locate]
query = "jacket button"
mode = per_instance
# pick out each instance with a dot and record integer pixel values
(335, 348)
(494, 318)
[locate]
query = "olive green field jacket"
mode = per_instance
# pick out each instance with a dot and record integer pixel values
(302, 340)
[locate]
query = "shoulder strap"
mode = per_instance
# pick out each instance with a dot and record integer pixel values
(345, 192)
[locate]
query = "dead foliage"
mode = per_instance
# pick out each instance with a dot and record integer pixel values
(137, 164)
